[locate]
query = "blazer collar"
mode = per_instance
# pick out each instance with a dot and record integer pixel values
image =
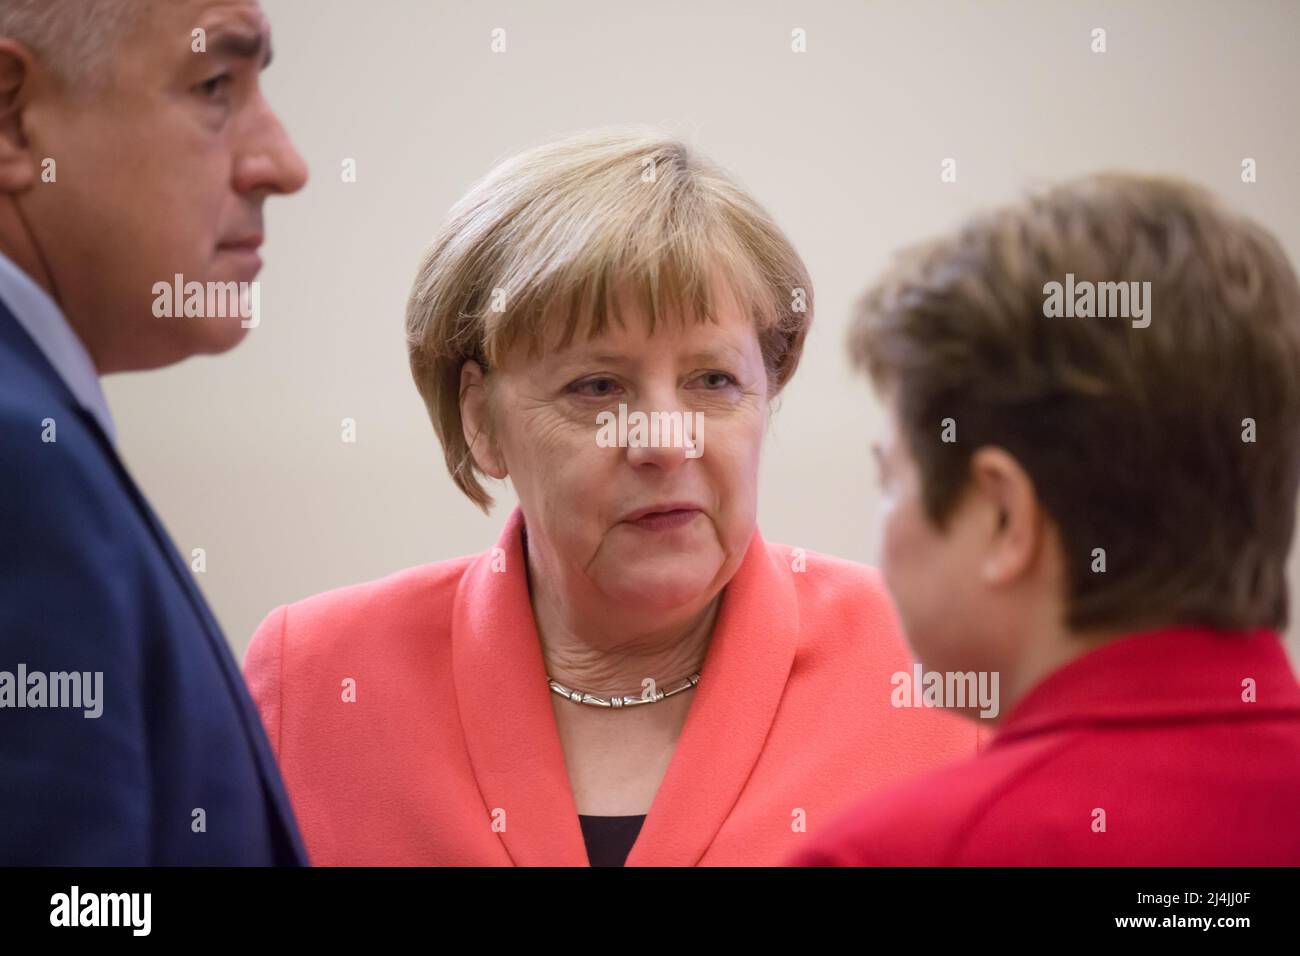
(514, 746)
(1166, 674)
(41, 318)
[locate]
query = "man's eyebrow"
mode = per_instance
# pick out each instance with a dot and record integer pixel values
(240, 45)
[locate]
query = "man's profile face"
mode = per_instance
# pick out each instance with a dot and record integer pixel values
(163, 171)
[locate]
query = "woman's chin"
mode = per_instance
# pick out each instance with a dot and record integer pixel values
(660, 589)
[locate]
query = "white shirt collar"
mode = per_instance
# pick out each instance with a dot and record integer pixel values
(43, 320)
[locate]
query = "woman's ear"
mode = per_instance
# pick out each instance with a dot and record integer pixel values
(476, 420)
(1014, 534)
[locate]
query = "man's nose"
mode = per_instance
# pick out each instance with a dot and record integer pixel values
(268, 162)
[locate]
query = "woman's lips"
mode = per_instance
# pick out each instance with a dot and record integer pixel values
(665, 520)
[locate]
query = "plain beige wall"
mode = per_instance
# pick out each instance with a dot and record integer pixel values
(242, 455)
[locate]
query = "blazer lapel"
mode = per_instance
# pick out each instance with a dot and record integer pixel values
(253, 727)
(509, 723)
(741, 683)
(215, 639)
(505, 709)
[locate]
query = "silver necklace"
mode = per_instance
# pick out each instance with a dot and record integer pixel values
(581, 697)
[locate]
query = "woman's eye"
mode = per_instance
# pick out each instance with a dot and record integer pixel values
(596, 387)
(717, 380)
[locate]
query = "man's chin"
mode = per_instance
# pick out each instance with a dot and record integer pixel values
(203, 337)
(220, 336)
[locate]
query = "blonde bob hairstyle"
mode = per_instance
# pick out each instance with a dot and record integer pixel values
(545, 247)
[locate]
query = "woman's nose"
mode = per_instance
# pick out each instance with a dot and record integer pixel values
(663, 436)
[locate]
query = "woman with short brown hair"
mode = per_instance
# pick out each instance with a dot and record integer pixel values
(632, 672)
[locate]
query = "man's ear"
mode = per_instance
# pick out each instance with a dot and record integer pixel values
(17, 165)
(476, 421)
(1014, 520)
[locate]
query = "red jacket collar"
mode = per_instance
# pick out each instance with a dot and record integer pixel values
(1173, 673)
(514, 747)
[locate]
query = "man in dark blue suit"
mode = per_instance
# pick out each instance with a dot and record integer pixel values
(136, 148)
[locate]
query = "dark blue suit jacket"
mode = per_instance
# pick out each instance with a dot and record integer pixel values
(177, 769)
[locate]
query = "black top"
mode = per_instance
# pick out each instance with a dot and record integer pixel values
(609, 839)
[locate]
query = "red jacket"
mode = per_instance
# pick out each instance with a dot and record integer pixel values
(413, 723)
(1156, 731)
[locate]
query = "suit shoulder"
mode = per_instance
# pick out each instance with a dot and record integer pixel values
(928, 819)
(422, 594)
(839, 600)
(827, 578)
(43, 442)
(910, 824)
(60, 483)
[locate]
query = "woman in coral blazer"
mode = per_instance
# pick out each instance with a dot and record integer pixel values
(447, 753)
(632, 675)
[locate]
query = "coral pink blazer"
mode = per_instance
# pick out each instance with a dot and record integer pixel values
(413, 723)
